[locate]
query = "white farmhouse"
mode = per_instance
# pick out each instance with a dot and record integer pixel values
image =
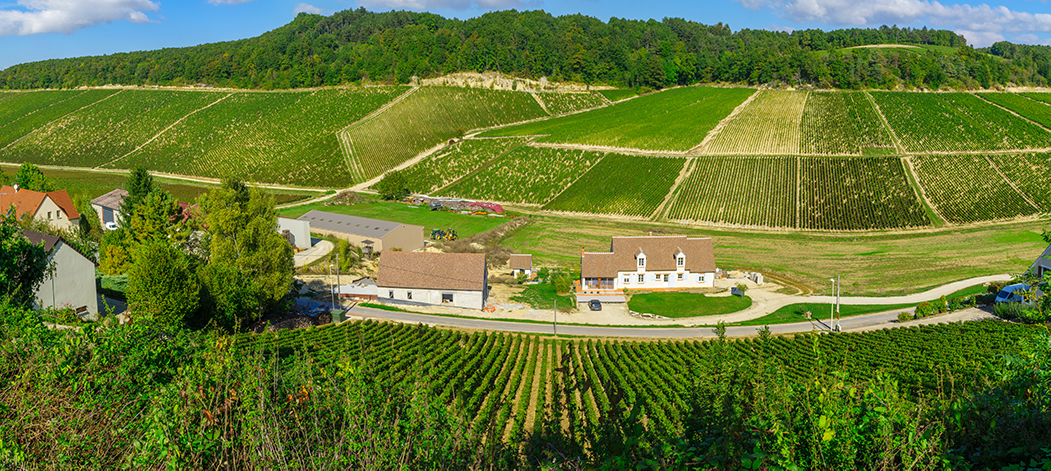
(521, 263)
(107, 207)
(72, 283)
(452, 279)
(649, 262)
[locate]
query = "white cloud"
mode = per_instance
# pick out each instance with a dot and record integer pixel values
(227, 2)
(450, 4)
(307, 8)
(67, 16)
(1030, 38)
(981, 25)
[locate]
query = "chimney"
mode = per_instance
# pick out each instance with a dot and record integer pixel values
(16, 188)
(581, 251)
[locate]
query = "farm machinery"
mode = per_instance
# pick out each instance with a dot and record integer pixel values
(446, 235)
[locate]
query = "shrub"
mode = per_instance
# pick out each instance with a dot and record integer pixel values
(1033, 316)
(1009, 311)
(943, 304)
(904, 317)
(924, 309)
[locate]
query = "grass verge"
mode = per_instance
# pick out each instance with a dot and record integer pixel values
(677, 305)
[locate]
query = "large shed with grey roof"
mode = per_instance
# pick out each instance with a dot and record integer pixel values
(366, 233)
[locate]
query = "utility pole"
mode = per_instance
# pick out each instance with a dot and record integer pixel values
(339, 286)
(839, 289)
(556, 318)
(331, 298)
(832, 308)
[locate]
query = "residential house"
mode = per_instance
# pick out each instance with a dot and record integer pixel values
(372, 235)
(107, 207)
(521, 263)
(1042, 264)
(453, 279)
(72, 282)
(649, 262)
(55, 207)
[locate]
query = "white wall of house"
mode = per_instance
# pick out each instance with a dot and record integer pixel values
(663, 279)
(464, 299)
(72, 284)
(50, 212)
(516, 271)
(300, 231)
(107, 215)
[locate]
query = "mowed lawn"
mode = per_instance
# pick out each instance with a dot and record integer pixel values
(673, 120)
(464, 224)
(669, 304)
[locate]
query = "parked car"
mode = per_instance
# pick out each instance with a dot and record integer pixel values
(1011, 294)
(595, 305)
(111, 226)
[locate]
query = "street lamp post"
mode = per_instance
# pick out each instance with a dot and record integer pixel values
(839, 290)
(832, 307)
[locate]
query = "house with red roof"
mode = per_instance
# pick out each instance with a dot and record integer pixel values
(55, 207)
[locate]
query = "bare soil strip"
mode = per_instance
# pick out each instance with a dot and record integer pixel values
(700, 149)
(30, 133)
(162, 131)
(665, 206)
(1009, 182)
(539, 381)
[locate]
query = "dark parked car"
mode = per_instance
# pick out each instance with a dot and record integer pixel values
(595, 305)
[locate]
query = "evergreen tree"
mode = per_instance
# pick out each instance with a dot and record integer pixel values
(29, 177)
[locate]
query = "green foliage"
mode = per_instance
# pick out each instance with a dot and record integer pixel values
(678, 304)
(525, 175)
(953, 185)
(30, 111)
(858, 194)
(904, 317)
(924, 309)
(620, 184)
(617, 94)
(23, 265)
(1029, 173)
(157, 216)
(393, 186)
(1031, 109)
(228, 298)
(562, 103)
(671, 120)
(162, 284)
(770, 124)
(714, 185)
(29, 177)
(544, 296)
(436, 114)
(563, 282)
(139, 185)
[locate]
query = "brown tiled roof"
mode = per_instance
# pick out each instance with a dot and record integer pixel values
(112, 199)
(597, 265)
(660, 255)
(454, 271)
(28, 201)
(521, 261)
(36, 238)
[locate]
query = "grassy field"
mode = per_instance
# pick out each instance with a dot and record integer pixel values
(274, 137)
(841, 123)
(672, 304)
(950, 122)
(770, 124)
(821, 312)
(621, 184)
(675, 119)
(443, 168)
(966, 188)
(618, 94)
(531, 175)
(427, 117)
(465, 225)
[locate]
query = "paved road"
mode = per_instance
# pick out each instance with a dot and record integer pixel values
(858, 323)
(308, 256)
(912, 298)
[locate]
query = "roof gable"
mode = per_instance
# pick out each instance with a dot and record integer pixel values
(29, 201)
(112, 199)
(424, 270)
(521, 261)
(62, 199)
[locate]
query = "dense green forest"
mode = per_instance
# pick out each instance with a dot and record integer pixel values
(357, 45)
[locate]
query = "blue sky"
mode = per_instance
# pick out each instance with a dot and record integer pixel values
(33, 30)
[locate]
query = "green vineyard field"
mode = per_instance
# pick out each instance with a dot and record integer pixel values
(26, 112)
(274, 137)
(427, 117)
(498, 382)
(751, 191)
(1031, 174)
(110, 129)
(531, 175)
(562, 103)
(769, 124)
(841, 123)
(857, 194)
(621, 184)
(950, 122)
(618, 94)
(1030, 109)
(966, 188)
(450, 164)
(673, 120)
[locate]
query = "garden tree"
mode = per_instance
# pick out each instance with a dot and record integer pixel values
(162, 284)
(90, 224)
(228, 297)
(139, 185)
(30, 177)
(158, 215)
(242, 234)
(22, 264)
(393, 186)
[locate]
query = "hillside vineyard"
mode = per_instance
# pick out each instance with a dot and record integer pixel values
(725, 156)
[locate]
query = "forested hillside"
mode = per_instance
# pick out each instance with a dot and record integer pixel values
(356, 45)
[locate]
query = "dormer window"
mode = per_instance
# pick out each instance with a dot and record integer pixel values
(642, 262)
(680, 261)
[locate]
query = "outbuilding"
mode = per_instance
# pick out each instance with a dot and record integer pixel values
(72, 283)
(521, 263)
(107, 207)
(452, 279)
(369, 234)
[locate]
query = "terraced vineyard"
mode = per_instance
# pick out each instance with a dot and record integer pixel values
(1031, 174)
(950, 122)
(450, 164)
(509, 386)
(531, 175)
(276, 137)
(112, 128)
(857, 194)
(26, 112)
(427, 117)
(621, 184)
(1030, 109)
(842, 123)
(768, 125)
(750, 191)
(966, 188)
(562, 103)
(672, 120)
